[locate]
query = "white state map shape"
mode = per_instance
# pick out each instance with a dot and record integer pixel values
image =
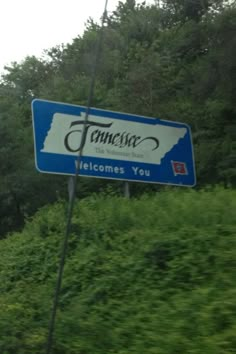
(167, 136)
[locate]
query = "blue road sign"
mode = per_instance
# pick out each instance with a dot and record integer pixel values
(118, 145)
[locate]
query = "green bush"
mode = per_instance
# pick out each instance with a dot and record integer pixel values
(154, 275)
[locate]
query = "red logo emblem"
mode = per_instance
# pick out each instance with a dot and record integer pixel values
(179, 168)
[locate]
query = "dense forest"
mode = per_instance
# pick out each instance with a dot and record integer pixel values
(153, 274)
(174, 62)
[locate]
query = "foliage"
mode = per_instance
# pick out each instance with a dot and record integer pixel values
(175, 61)
(149, 275)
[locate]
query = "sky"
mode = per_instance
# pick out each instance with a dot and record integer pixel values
(27, 27)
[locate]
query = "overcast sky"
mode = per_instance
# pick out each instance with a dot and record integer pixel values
(27, 27)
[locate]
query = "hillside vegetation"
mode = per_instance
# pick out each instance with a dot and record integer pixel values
(175, 61)
(153, 275)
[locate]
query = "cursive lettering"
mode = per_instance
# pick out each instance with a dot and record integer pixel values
(99, 136)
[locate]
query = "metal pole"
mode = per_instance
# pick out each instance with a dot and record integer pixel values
(72, 190)
(126, 190)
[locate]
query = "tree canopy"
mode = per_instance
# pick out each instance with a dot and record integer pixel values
(174, 61)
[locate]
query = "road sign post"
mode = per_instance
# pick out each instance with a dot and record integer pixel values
(72, 140)
(117, 145)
